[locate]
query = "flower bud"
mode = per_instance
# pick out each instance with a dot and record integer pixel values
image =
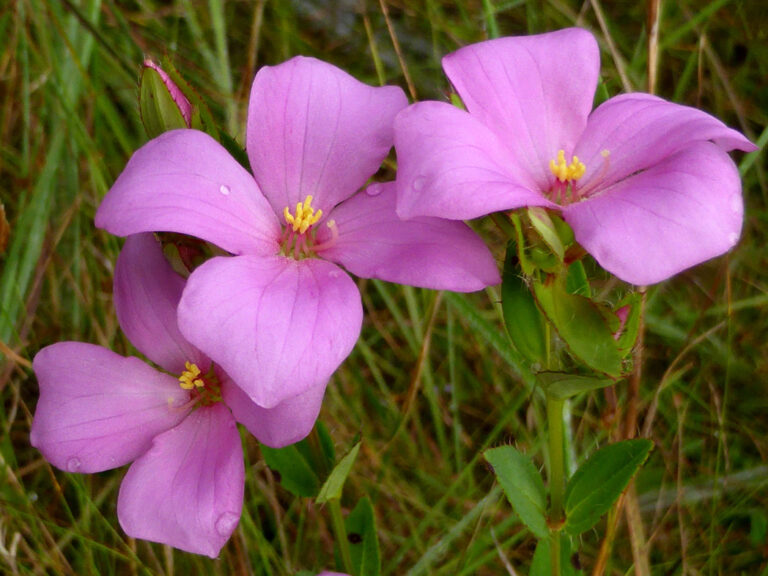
(162, 103)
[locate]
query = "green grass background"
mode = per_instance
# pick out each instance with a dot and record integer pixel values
(433, 380)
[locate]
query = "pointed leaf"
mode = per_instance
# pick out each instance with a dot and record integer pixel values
(599, 482)
(581, 325)
(543, 224)
(523, 319)
(523, 486)
(334, 484)
(296, 474)
(562, 385)
(363, 539)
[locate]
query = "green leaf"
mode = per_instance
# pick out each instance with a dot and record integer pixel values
(296, 473)
(523, 319)
(523, 486)
(576, 282)
(159, 111)
(543, 224)
(334, 484)
(599, 482)
(581, 325)
(562, 385)
(363, 539)
(628, 335)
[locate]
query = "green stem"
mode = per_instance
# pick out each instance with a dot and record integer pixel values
(341, 534)
(556, 477)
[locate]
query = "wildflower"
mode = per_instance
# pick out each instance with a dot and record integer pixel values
(645, 184)
(98, 410)
(281, 315)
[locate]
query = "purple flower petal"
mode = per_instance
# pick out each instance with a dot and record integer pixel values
(287, 423)
(187, 490)
(535, 92)
(315, 130)
(184, 181)
(640, 130)
(98, 410)
(682, 211)
(277, 326)
(147, 292)
(452, 166)
(373, 242)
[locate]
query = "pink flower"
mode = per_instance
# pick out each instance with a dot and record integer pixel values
(98, 410)
(645, 184)
(280, 316)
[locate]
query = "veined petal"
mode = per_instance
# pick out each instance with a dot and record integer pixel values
(534, 92)
(639, 130)
(277, 326)
(373, 242)
(187, 490)
(682, 211)
(98, 410)
(287, 423)
(184, 181)
(450, 165)
(147, 292)
(314, 130)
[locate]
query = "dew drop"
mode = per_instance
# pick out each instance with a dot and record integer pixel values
(333, 274)
(224, 189)
(418, 183)
(73, 464)
(225, 524)
(373, 190)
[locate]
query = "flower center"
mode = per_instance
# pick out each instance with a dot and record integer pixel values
(299, 237)
(567, 172)
(205, 388)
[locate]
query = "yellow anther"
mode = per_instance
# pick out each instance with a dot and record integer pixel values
(565, 172)
(304, 217)
(189, 378)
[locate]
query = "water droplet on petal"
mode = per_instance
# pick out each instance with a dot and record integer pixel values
(733, 238)
(73, 464)
(334, 273)
(373, 190)
(418, 183)
(226, 523)
(224, 189)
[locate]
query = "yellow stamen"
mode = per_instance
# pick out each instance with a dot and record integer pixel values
(565, 172)
(304, 217)
(189, 378)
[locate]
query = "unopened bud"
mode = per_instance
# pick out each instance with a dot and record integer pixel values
(162, 103)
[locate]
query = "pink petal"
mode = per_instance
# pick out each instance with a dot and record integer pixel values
(277, 326)
(184, 181)
(147, 292)
(450, 165)
(315, 130)
(640, 130)
(683, 211)
(187, 490)
(427, 252)
(535, 92)
(98, 410)
(287, 423)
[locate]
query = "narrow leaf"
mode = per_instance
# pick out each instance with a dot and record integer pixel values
(363, 539)
(599, 482)
(523, 486)
(334, 484)
(294, 470)
(562, 385)
(523, 319)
